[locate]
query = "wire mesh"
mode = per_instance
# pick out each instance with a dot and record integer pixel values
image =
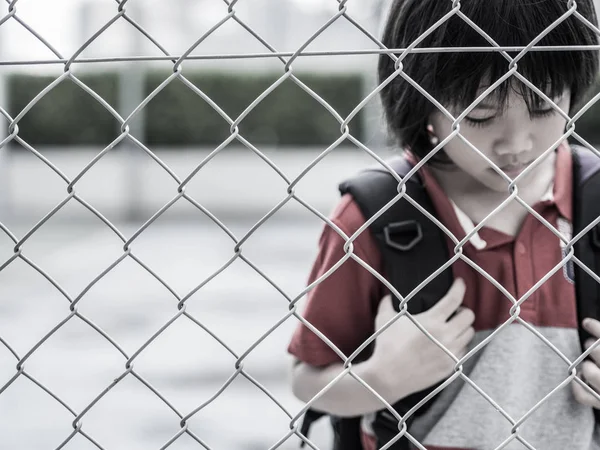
(286, 58)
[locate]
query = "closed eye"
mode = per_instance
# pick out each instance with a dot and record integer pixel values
(483, 121)
(480, 122)
(543, 112)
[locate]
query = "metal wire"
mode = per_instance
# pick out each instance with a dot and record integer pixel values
(180, 195)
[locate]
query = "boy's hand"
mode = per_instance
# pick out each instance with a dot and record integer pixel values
(589, 371)
(405, 360)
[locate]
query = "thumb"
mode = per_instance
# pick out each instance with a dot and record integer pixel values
(385, 311)
(450, 302)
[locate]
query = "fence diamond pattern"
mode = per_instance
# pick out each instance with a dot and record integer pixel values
(287, 59)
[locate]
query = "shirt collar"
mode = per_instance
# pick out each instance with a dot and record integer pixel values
(563, 182)
(456, 220)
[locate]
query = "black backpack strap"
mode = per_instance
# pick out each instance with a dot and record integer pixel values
(346, 430)
(346, 433)
(412, 246)
(586, 209)
(310, 417)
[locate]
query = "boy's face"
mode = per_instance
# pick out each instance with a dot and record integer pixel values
(512, 137)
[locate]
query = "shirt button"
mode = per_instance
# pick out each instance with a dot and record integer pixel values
(521, 248)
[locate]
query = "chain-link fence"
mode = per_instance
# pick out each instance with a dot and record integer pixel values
(188, 433)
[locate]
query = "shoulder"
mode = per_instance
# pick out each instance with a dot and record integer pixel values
(347, 215)
(347, 218)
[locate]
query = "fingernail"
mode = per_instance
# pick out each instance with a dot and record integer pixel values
(586, 323)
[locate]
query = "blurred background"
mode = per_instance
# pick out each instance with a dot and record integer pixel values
(67, 129)
(183, 247)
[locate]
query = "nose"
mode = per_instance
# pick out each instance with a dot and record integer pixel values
(515, 144)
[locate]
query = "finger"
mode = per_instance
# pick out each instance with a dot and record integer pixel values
(451, 301)
(465, 339)
(460, 354)
(592, 326)
(385, 312)
(595, 353)
(385, 303)
(591, 374)
(582, 394)
(462, 344)
(463, 319)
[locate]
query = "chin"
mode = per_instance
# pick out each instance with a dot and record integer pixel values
(494, 183)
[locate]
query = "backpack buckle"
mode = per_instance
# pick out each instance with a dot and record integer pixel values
(403, 236)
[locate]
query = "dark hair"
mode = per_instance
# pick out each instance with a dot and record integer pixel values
(454, 78)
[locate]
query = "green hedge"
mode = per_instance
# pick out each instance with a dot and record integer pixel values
(177, 116)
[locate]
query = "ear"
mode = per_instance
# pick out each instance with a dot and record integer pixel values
(433, 139)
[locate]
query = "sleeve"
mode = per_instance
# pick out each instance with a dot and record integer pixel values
(344, 305)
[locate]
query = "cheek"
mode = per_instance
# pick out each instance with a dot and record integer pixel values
(554, 127)
(548, 132)
(461, 153)
(465, 158)
(480, 139)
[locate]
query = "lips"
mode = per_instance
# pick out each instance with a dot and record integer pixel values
(514, 168)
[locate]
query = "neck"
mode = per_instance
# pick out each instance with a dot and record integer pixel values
(478, 201)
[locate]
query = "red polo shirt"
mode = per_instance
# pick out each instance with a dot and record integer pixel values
(343, 306)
